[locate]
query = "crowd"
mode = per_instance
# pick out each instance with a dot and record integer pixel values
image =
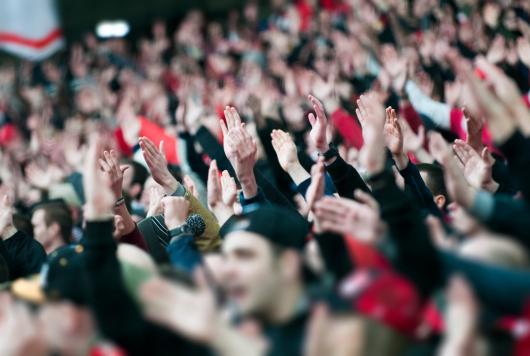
(333, 177)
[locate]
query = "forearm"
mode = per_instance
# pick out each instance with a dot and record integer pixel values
(439, 113)
(417, 257)
(128, 222)
(335, 254)
(297, 173)
(118, 317)
(421, 193)
(345, 178)
(135, 238)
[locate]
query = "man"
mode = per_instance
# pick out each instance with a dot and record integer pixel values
(52, 225)
(263, 271)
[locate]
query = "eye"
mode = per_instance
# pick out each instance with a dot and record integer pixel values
(244, 254)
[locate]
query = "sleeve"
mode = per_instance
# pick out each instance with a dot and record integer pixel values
(345, 178)
(183, 253)
(117, 315)
(192, 158)
(503, 214)
(334, 252)
(419, 190)
(439, 113)
(505, 290)
(5, 255)
(416, 255)
(516, 149)
(135, 238)
(214, 149)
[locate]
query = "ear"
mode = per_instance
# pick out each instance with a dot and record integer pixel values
(440, 200)
(291, 263)
(54, 229)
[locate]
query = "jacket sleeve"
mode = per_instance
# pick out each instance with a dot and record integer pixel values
(416, 255)
(422, 194)
(516, 148)
(345, 178)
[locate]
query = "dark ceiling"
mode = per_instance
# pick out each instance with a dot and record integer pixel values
(79, 16)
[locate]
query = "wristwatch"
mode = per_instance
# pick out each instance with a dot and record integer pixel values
(179, 231)
(330, 153)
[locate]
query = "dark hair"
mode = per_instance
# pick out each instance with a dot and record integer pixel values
(58, 212)
(434, 179)
(140, 175)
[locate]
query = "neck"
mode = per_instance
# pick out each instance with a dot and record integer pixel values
(53, 245)
(286, 304)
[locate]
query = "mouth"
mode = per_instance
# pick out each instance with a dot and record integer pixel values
(237, 293)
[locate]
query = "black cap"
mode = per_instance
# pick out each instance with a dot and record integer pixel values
(281, 226)
(63, 275)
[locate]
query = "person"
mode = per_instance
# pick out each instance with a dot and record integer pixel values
(52, 225)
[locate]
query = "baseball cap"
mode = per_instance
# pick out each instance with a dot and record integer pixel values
(63, 276)
(279, 225)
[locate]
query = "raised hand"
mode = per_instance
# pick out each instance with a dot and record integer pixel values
(393, 134)
(110, 165)
(315, 191)
(191, 312)
(229, 189)
(372, 115)
(157, 163)
(286, 152)
(456, 184)
(99, 197)
(319, 124)
(215, 193)
(348, 217)
(43, 178)
(176, 211)
(189, 184)
(156, 193)
(474, 130)
(412, 142)
(240, 149)
(477, 167)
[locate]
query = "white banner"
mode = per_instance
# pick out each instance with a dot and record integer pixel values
(30, 28)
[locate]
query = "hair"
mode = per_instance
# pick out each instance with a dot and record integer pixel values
(58, 212)
(140, 175)
(434, 179)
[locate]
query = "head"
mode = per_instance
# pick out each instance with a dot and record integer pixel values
(258, 271)
(52, 225)
(433, 176)
(263, 269)
(134, 179)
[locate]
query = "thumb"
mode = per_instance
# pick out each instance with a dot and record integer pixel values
(124, 168)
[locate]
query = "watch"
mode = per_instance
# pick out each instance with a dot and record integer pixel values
(330, 153)
(179, 231)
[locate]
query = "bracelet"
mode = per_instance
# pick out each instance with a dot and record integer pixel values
(119, 202)
(330, 153)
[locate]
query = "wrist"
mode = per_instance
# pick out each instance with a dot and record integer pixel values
(95, 213)
(401, 160)
(249, 187)
(173, 223)
(8, 232)
(297, 173)
(491, 186)
(169, 184)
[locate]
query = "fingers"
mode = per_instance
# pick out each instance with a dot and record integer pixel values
(312, 119)
(366, 198)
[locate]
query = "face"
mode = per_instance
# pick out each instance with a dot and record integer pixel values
(42, 233)
(252, 273)
(461, 220)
